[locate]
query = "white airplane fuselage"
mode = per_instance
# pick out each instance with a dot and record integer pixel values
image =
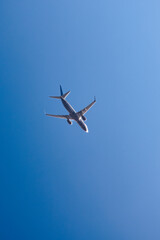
(74, 115)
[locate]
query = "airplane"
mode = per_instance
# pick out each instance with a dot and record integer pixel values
(73, 115)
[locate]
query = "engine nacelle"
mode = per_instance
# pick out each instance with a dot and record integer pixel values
(84, 118)
(70, 122)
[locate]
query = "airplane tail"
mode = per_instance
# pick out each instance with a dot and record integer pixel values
(61, 91)
(62, 95)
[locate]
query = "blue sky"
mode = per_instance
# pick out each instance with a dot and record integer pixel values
(58, 182)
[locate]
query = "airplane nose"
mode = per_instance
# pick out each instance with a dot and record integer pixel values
(85, 129)
(83, 126)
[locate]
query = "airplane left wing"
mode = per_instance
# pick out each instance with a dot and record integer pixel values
(83, 111)
(59, 116)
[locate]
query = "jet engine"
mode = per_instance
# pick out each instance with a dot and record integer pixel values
(70, 122)
(84, 118)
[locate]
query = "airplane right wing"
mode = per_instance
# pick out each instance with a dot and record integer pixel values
(83, 111)
(59, 116)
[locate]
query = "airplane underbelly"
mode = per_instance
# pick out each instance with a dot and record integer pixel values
(68, 107)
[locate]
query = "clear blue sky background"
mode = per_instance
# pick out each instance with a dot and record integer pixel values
(58, 182)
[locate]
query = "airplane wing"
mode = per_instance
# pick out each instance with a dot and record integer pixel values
(83, 111)
(59, 116)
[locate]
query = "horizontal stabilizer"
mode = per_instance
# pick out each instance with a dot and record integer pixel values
(55, 97)
(66, 94)
(60, 97)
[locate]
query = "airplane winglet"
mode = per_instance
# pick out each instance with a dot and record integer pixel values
(94, 98)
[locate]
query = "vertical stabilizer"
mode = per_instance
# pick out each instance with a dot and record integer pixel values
(63, 95)
(61, 90)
